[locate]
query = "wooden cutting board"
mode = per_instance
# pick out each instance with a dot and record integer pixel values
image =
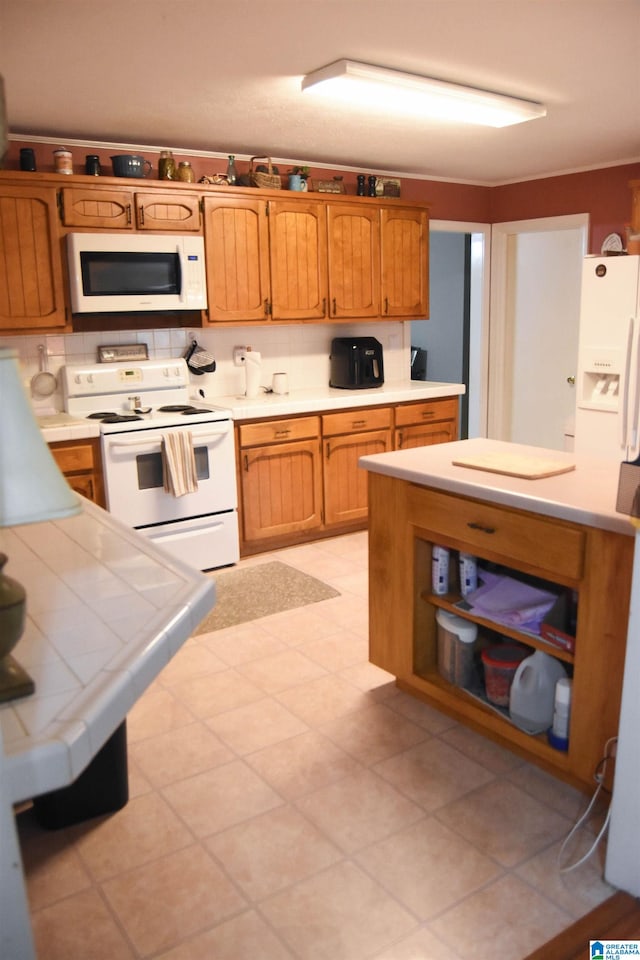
(515, 465)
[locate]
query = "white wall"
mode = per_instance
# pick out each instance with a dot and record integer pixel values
(300, 350)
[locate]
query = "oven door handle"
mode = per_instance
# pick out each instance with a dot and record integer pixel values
(149, 441)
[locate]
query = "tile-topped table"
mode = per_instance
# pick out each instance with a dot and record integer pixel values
(106, 611)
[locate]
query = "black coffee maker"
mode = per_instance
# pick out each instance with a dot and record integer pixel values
(356, 363)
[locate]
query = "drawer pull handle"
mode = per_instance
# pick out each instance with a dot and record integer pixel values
(483, 529)
(358, 423)
(428, 413)
(282, 433)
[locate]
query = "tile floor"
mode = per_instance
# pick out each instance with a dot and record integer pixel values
(287, 801)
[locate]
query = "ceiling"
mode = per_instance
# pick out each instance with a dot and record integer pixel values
(224, 77)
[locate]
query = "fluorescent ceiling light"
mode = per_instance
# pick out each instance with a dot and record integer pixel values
(366, 85)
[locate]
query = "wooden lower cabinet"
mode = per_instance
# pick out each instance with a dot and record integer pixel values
(421, 424)
(280, 478)
(81, 463)
(299, 477)
(346, 438)
(406, 520)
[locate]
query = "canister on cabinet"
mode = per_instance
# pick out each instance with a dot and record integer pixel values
(456, 637)
(63, 161)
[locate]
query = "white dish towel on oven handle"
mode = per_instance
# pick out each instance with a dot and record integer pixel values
(179, 474)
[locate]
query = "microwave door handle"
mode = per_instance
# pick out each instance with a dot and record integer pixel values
(183, 273)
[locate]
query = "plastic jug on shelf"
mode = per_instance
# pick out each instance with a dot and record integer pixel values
(533, 692)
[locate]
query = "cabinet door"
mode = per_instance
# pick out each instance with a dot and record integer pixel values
(431, 421)
(354, 261)
(281, 489)
(168, 211)
(236, 237)
(298, 246)
(424, 434)
(405, 262)
(31, 277)
(345, 484)
(81, 463)
(93, 207)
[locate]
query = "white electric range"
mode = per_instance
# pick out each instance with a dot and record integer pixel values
(137, 403)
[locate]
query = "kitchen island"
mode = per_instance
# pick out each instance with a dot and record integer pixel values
(106, 611)
(562, 530)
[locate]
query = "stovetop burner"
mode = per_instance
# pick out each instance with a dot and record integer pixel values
(184, 409)
(111, 417)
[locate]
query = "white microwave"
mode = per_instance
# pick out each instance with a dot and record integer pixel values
(110, 273)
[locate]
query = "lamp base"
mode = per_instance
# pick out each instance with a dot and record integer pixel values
(15, 682)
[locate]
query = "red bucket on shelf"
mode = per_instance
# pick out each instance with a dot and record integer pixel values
(500, 663)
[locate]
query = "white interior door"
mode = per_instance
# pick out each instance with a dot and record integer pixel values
(535, 311)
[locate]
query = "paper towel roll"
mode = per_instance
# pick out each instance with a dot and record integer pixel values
(252, 368)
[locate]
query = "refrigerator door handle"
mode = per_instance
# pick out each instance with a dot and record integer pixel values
(624, 388)
(631, 435)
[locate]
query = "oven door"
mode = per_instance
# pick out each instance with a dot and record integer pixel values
(132, 464)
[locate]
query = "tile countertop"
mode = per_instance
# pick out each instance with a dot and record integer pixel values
(586, 495)
(106, 611)
(61, 426)
(316, 399)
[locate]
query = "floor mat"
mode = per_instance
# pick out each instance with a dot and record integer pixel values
(259, 591)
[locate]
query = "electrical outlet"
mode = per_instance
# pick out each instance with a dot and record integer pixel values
(239, 356)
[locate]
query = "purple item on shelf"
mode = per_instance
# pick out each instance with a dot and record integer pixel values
(510, 602)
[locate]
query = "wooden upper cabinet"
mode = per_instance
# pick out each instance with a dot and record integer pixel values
(405, 261)
(129, 209)
(103, 209)
(236, 237)
(298, 250)
(31, 277)
(354, 260)
(176, 212)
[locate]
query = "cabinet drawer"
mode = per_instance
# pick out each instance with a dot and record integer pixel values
(273, 431)
(73, 458)
(356, 420)
(481, 528)
(407, 413)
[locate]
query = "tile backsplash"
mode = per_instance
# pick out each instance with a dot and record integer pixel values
(299, 350)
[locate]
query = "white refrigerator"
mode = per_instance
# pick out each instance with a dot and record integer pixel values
(608, 425)
(608, 378)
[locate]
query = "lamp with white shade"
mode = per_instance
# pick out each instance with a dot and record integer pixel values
(32, 490)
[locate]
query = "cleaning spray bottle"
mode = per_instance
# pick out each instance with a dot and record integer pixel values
(252, 367)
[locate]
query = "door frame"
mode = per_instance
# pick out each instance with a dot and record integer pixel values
(501, 332)
(479, 280)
